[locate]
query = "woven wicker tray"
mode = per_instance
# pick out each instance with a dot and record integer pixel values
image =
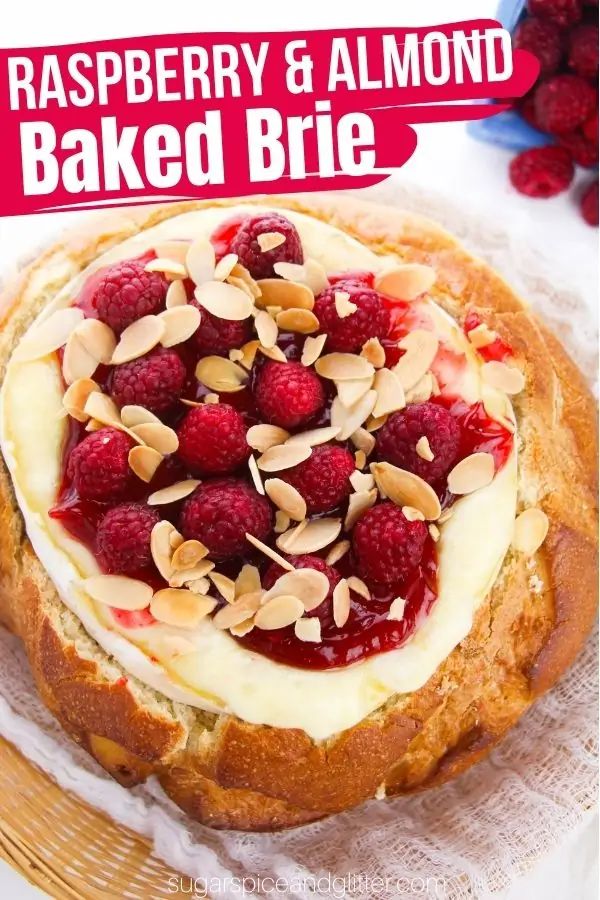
(69, 850)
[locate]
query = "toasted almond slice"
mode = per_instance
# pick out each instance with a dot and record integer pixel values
(248, 580)
(349, 420)
(225, 300)
(180, 324)
(421, 347)
(405, 282)
(497, 407)
(102, 408)
(412, 514)
(422, 390)
(362, 440)
(298, 321)
(180, 607)
(308, 585)
(406, 489)
(94, 425)
(176, 250)
(308, 629)
(317, 535)
(311, 273)
(132, 416)
(158, 436)
(283, 456)
(138, 339)
(185, 576)
(255, 474)
(286, 294)
(268, 551)
(263, 437)
(286, 498)
(472, 473)
(169, 267)
(268, 240)
(224, 585)
(424, 450)
(350, 392)
(481, 336)
(275, 353)
(77, 362)
(118, 591)
(243, 628)
(357, 585)
(504, 378)
(211, 398)
(446, 514)
(314, 436)
(337, 552)
(396, 610)
(360, 459)
(200, 261)
(531, 528)
(188, 555)
(358, 503)
(160, 547)
(343, 305)
(344, 367)
(176, 295)
(76, 396)
(225, 266)
(390, 393)
(374, 423)
(144, 461)
(175, 539)
(341, 603)
(98, 339)
(362, 481)
(279, 612)
(266, 329)
(374, 353)
(312, 349)
(282, 522)
(198, 585)
(238, 612)
(48, 335)
(434, 532)
(241, 278)
(221, 375)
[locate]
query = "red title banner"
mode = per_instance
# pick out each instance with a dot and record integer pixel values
(206, 116)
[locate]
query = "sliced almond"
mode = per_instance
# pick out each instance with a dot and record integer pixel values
(341, 603)
(374, 353)
(198, 585)
(268, 551)
(221, 375)
(224, 585)
(308, 585)
(225, 266)
(343, 305)
(211, 398)
(176, 250)
(317, 535)
(77, 362)
(350, 392)
(390, 393)
(481, 336)
(421, 347)
(298, 321)
(504, 378)
(406, 282)
(188, 555)
(308, 630)
(224, 300)
(362, 481)
(76, 396)
(266, 329)
(286, 498)
(286, 294)
(374, 423)
(176, 295)
(434, 532)
(311, 273)
(275, 353)
(357, 585)
(358, 503)
(180, 323)
(406, 489)
(144, 461)
(248, 580)
(255, 475)
(497, 407)
(362, 440)
(169, 267)
(312, 349)
(263, 437)
(424, 450)
(238, 612)
(118, 591)
(241, 277)
(98, 339)
(131, 416)
(138, 339)
(180, 607)
(158, 436)
(446, 514)
(337, 552)
(396, 610)
(268, 240)
(472, 473)
(314, 436)
(173, 493)
(360, 460)
(349, 420)
(48, 335)
(412, 514)
(344, 367)
(283, 456)
(160, 547)
(422, 390)
(102, 408)
(531, 528)
(278, 613)
(186, 576)
(282, 522)
(200, 261)
(94, 425)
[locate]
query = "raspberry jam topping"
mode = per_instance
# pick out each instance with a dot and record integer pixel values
(390, 560)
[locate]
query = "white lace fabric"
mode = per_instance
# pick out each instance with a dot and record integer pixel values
(471, 838)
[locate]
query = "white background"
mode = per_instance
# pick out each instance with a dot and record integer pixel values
(446, 160)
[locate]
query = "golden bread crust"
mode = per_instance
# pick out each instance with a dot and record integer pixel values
(230, 774)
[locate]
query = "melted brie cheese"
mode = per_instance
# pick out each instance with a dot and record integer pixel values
(219, 674)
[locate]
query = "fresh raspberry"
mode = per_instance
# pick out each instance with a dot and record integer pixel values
(583, 50)
(371, 319)
(154, 381)
(220, 512)
(387, 546)
(590, 128)
(323, 478)
(245, 244)
(589, 204)
(583, 151)
(288, 394)
(542, 171)
(123, 538)
(218, 336)
(397, 440)
(563, 12)
(212, 439)
(563, 103)
(325, 609)
(99, 465)
(543, 38)
(126, 293)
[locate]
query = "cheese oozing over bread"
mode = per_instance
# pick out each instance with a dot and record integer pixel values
(219, 674)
